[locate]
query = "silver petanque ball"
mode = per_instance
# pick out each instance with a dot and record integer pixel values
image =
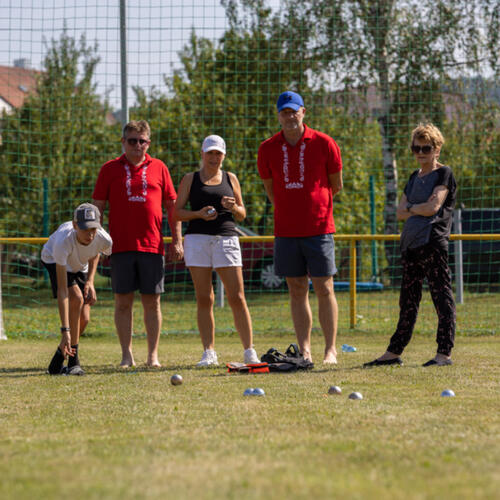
(448, 393)
(258, 392)
(176, 379)
(355, 395)
(248, 392)
(210, 211)
(334, 389)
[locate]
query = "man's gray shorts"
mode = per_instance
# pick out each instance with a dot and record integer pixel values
(312, 255)
(141, 271)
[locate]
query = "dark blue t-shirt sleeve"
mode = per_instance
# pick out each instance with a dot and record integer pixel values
(409, 184)
(447, 179)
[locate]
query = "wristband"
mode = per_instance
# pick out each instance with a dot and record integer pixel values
(65, 329)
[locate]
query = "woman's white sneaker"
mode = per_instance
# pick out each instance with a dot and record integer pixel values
(209, 358)
(250, 356)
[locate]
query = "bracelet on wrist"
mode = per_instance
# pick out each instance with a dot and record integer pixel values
(65, 329)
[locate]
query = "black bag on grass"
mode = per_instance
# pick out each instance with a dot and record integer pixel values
(291, 361)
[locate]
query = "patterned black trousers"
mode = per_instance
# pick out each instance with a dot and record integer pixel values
(429, 262)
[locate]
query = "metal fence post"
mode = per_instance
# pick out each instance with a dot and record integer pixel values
(373, 227)
(352, 282)
(123, 62)
(2, 331)
(459, 269)
(219, 292)
(45, 220)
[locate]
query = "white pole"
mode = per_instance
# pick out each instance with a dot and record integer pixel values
(2, 331)
(123, 62)
(459, 268)
(219, 293)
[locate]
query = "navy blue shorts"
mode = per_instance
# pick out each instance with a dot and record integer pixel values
(74, 279)
(141, 271)
(312, 255)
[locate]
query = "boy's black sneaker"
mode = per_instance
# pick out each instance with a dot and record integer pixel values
(56, 364)
(73, 360)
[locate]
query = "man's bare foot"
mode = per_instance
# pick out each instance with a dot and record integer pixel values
(330, 358)
(127, 361)
(153, 361)
(307, 354)
(127, 365)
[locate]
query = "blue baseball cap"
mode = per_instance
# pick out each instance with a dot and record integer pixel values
(289, 99)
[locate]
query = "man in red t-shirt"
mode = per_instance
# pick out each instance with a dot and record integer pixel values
(301, 169)
(137, 188)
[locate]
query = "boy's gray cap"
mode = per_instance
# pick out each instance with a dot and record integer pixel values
(87, 216)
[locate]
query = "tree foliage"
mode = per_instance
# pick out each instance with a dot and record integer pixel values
(59, 134)
(418, 56)
(406, 49)
(230, 88)
(327, 52)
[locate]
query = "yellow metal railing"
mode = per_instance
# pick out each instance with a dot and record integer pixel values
(352, 238)
(338, 237)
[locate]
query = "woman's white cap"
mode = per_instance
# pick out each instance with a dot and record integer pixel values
(214, 142)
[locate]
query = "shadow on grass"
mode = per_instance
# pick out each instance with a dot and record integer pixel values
(21, 372)
(109, 369)
(16, 372)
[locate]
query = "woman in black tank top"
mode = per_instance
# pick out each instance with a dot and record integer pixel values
(211, 242)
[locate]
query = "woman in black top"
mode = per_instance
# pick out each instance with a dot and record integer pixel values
(426, 206)
(211, 242)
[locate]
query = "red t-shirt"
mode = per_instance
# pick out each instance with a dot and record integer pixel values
(135, 195)
(303, 201)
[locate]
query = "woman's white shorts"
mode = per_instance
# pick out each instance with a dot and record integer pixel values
(205, 250)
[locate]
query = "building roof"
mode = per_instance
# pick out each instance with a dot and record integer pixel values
(16, 84)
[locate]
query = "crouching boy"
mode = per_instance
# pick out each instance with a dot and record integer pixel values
(70, 256)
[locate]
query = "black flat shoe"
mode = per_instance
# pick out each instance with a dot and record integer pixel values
(433, 362)
(383, 362)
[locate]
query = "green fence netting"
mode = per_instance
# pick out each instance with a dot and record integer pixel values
(369, 73)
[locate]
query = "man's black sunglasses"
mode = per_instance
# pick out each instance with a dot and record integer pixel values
(133, 141)
(425, 149)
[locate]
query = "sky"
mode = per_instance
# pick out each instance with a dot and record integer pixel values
(156, 31)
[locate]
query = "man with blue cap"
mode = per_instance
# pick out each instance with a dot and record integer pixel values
(301, 169)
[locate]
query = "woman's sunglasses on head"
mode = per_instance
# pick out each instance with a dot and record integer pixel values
(425, 149)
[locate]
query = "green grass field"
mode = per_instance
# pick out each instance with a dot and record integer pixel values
(32, 313)
(131, 434)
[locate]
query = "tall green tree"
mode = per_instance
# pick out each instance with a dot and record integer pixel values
(227, 89)
(230, 87)
(406, 49)
(59, 135)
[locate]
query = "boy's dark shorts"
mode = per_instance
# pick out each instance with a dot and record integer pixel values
(79, 279)
(141, 271)
(312, 255)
